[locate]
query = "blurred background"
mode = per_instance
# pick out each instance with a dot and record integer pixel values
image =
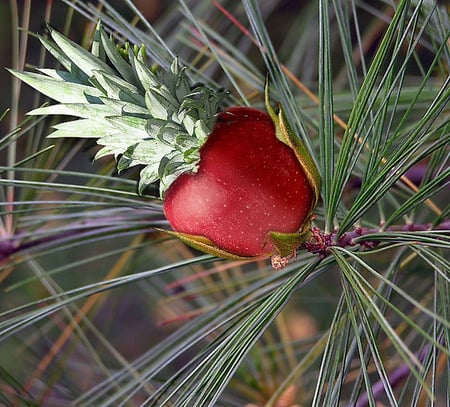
(102, 227)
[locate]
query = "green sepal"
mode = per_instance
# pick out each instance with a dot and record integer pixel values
(205, 245)
(286, 135)
(287, 243)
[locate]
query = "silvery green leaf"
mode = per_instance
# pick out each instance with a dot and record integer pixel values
(170, 170)
(147, 176)
(124, 163)
(175, 67)
(169, 132)
(174, 78)
(116, 58)
(105, 151)
(183, 141)
(119, 140)
(182, 88)
(81, 128)
(117, 88)
(192, 105)
(143, 153)
(82, 110)
(121, 107)
(155, 106)
(145, 75)
(147, 151)
(201, 130)
(191, 156)
(130, 125)
(97, 48)
(54, 50)
(140, 115)
(166, 96)
(59, 75)
(63, 92)
(82, 58)
(114, 144)
(189, 124)
(154, 126)
(168, 178)
(139, 154)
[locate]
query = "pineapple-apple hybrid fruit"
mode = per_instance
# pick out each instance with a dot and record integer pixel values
(248, 183)
(235, 182)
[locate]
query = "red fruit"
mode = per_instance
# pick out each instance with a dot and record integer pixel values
(248, 184)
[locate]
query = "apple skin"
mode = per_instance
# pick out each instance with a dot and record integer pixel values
(248, 184)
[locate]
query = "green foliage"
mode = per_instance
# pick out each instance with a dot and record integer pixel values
(98, 308)
(140, 115)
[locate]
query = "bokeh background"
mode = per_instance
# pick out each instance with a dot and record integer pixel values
(125, 323)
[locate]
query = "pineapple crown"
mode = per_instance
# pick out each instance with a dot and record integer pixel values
(140, 114)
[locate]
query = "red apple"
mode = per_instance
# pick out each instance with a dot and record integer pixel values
(248, 184)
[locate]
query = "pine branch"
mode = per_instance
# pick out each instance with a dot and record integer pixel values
(396, 378)
(366, 238)
(20, 241)
(319, 243)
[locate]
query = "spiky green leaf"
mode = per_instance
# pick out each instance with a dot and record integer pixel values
(141, 115)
